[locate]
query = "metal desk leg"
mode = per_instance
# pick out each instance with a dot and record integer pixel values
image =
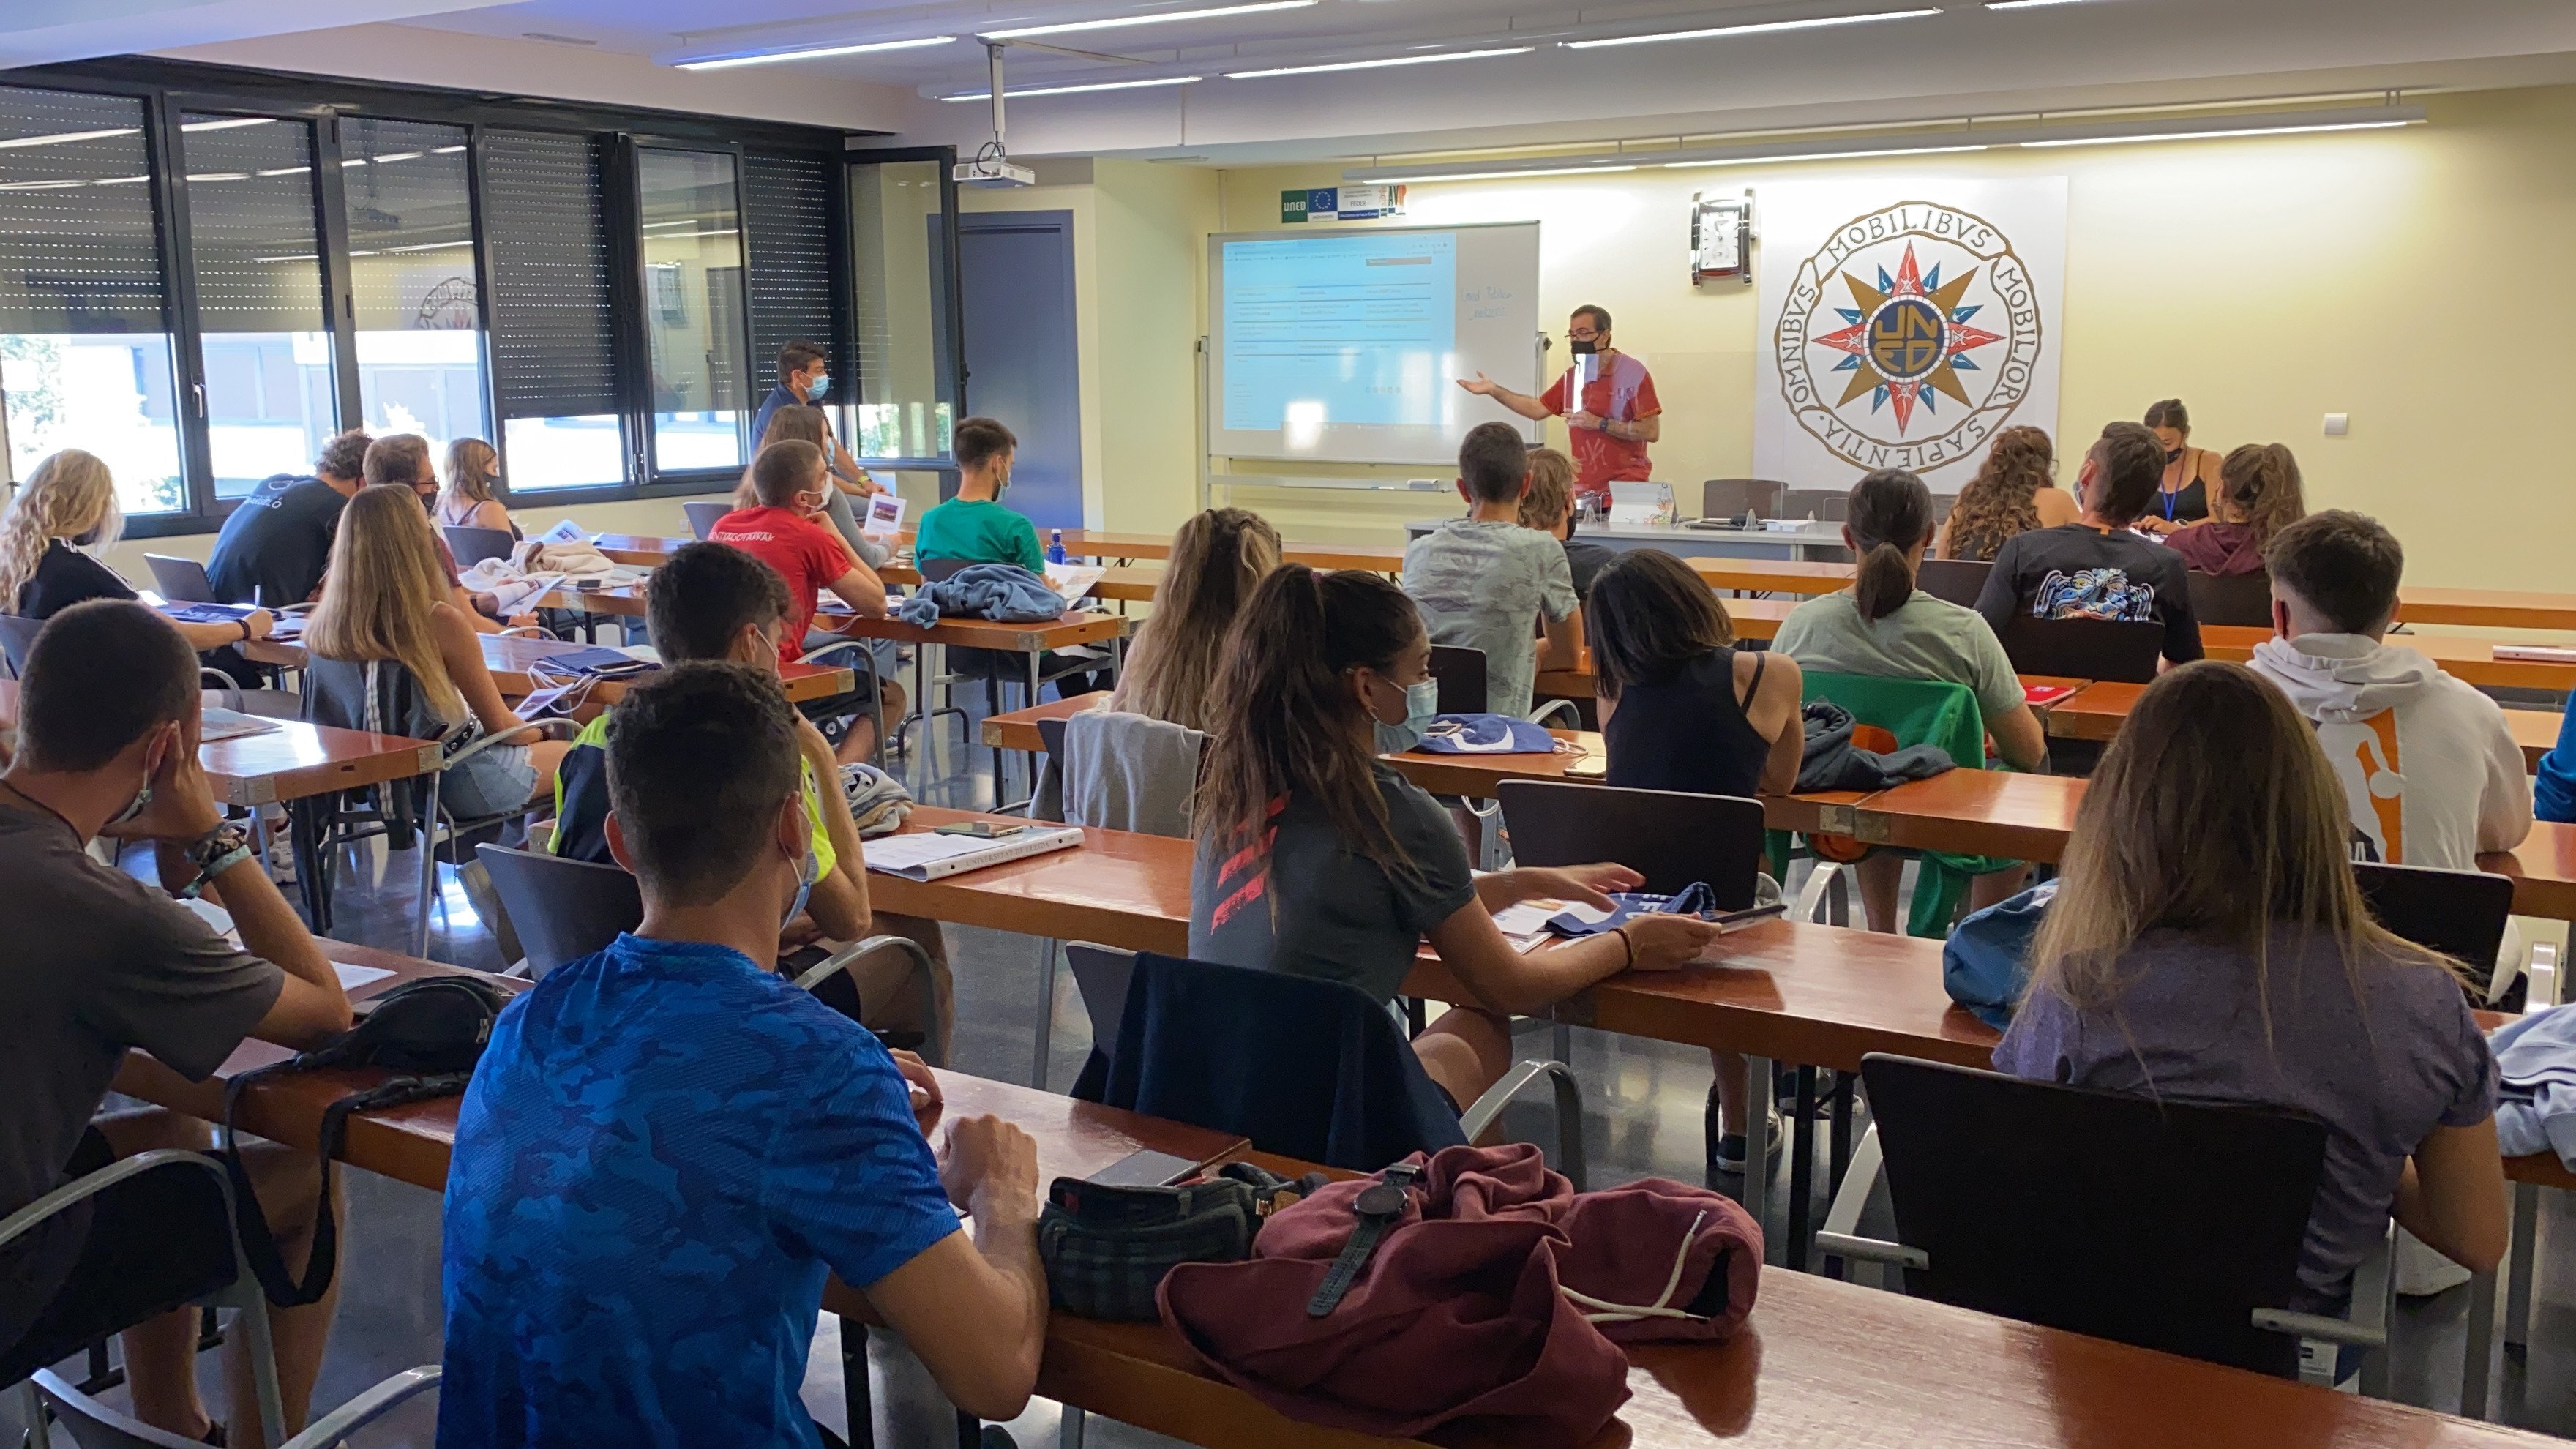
(2481, 1346)
(1756, 1194)
(2520, 1254)
(1802, 1167)
(855, 1398)
(921, 716)
(1840, 1161)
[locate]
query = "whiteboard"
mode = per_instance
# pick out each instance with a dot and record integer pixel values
(1346, 345)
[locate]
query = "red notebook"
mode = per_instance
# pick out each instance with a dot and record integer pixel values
(2044, 694)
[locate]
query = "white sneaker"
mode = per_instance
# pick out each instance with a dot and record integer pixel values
(2422, 1272)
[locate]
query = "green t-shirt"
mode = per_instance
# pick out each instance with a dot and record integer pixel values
(979, 531)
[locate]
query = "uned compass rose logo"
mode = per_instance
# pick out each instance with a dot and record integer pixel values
(1935, 349)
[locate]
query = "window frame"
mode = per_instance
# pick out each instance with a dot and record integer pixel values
(168, 87)
(639, 285)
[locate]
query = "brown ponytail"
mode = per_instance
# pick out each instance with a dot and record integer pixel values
(1891, 515)
(1287, 722)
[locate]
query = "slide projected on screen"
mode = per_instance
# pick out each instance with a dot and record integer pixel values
(1347, 345)
(1342, 329)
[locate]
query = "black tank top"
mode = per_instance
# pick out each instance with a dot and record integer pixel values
(1689, 732)
(2187, 504)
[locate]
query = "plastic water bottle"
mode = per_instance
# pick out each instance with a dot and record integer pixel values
(1055, 546)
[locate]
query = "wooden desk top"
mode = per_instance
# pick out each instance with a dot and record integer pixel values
(2487, 608)
(626, 600)
(2468, 656)
(294, 760)
(1101, 544)
(644, 550)
(2097, 711)
(1772, 575)
(1076, 626)
(512, 657)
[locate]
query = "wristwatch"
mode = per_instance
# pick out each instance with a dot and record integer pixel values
(213, 853)
(1380, 1206)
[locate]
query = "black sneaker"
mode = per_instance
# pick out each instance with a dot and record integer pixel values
(1732, 1150)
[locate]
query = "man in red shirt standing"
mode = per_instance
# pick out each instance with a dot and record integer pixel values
(1611, 420)
(787, 532)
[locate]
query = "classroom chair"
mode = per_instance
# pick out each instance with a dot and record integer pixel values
(559, 909)
(1735, 497)
(194, 1257)
(1954, 580)
(1824, 505)
(17, 636)
(2104, 650)
(1305, 1068)
(184, 581)
(1460, 672)
(1669, 837)
(2242, 600)
(703, 517)
(2164, 1224)
(472, 546)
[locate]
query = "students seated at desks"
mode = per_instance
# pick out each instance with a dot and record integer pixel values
(2258, 496)
(403, 461)
(100, 962)
(2208, 944)
(2015, 491)
(715, 602)
(2096, 567)
(472, 469)
(66, 506)
(274, 546)
(2429, 770)
(1682, 709)
(1315, 857)
(803, 424)
(1481, 579)
(786, 532)
(1886, 627)
(1548, 506)
(974, 526)
(667, 1145)
(386, 606)
(2190, 474)
(1218, 557)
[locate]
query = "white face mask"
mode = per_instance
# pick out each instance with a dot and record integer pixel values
(1421, 706)
(808, 871)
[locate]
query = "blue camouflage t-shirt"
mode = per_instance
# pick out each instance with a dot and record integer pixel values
(663, 1152)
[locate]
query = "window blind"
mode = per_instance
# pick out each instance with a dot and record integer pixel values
(788, 212)
(553, 345)
(79, 245)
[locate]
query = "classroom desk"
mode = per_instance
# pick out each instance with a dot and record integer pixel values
(644, 550)
(512, 658)
(1099, 544)
(2097, 711)
(294, 761)
(1788, 545)
(2468, 657)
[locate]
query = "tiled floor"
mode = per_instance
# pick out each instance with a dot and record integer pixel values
(1643, 1118)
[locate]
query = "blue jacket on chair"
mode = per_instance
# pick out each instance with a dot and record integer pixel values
(2553, 786)
(1304, 1068)
(1006, 592)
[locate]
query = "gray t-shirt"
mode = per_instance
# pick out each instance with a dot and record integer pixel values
(1929, 638)
(2190, 1028)
(1305, 903)
(1479, 586)
(97, 962)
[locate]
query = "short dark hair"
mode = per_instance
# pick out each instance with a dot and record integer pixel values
(700, 757)
(2344, 565)
(797, 356)
(1600, 315)
(101, 676)
(2129, 468)
(1494, 462)
(345, 456)
(703, 595)
(783, 469)
(1648, 614)
(402, 458)
(979, 439)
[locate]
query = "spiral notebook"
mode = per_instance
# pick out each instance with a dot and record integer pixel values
(925, 856)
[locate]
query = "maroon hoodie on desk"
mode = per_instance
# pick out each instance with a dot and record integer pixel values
(2218, 548)
(1491, 1303)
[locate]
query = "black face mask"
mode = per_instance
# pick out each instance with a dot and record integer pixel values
(1585, 346)
(2173, 455)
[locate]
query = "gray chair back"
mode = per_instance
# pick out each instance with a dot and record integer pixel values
(1100, 975)
(473, 545)
(1956, 580)
(561, 909)
(702, 517)
(183, 580)
(17, 636)
(2244, 600)
(1461, 674)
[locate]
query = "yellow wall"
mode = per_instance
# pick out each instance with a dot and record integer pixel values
(2408, 278)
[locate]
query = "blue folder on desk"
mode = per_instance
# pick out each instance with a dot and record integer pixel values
(593, 662)
(209, 613)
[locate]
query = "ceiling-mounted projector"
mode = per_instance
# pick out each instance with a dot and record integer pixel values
(992, 170)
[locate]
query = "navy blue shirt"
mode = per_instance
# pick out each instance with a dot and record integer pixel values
(663, 1152)
(779, 397)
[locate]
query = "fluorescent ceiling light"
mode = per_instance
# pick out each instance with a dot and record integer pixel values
(1827, 156)
(814, 52)
(2211, 135)
(1161, 18)
(1764, 28)
(1395, 178)
(232, 125)
(1133, 85)
(289, 171)
(2030, 4)
(218, 176)
(1377, 64)
(120, 180)
(398, 156)
(445, 150)
(69, 136)
(39, 185)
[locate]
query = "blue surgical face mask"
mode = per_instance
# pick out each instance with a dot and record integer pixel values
(821, 386)
(1421, 707)
(806, 874)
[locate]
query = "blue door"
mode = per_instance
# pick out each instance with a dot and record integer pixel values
(1015, 271)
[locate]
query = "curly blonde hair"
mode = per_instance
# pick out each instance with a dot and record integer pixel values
(2001, 500)
(70, 496)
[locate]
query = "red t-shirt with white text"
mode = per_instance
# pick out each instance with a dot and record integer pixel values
(803, 553)
(1621, 392)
